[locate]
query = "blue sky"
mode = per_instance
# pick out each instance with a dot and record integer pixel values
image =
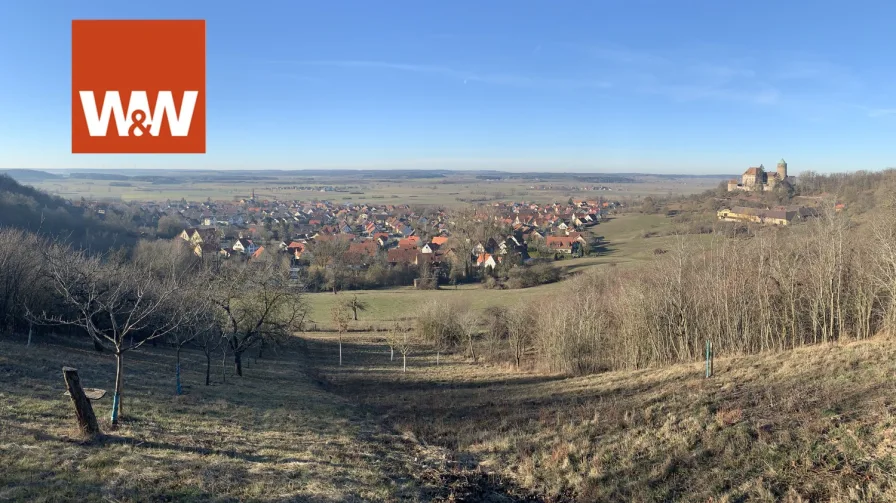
(634, 86)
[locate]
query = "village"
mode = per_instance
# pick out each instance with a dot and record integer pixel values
(417, 239)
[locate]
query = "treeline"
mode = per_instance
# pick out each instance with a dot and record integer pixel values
(860, 191)
(782, 288)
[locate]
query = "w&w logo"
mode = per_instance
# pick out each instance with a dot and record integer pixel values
(152, 88)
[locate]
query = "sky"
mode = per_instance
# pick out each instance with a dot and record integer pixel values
(578, 86)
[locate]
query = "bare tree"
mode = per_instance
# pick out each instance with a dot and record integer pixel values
(405, 344)
(356, 304)
(329, 255)
(255, 302)
(394, 340)
(201, 330)
(468, 325)
(20, 270)
(341, 316)
(120, 306)
(470, 226)
(518, 321)
(210, 341)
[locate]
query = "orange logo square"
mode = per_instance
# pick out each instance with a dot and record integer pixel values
(138, 87)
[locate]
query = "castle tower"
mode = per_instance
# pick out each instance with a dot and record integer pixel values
(782, 169)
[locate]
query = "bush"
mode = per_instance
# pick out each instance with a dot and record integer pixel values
(490, 283)
(533, 275)
(438, 324)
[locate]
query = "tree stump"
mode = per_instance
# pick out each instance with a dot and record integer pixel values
(86, 418)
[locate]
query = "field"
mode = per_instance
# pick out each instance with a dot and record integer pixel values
(815, 424)
(626, 246)
(446, 191)
(272, 435)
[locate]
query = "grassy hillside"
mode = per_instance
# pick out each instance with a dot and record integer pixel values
(815, 424)
(273, 435)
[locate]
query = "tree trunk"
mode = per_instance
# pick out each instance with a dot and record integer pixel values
(391, 354)
(208, 368)
(238, 362)
(224, 365)
(178, 389)
(30, 328)
(437, 357)
(404, 362)
(355, 313)
(84, 411)
(116, 397)
(472, 351)
(340, 351)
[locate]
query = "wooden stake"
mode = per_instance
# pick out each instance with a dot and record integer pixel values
(84, 411)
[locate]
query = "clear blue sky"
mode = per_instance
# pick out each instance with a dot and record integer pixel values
(661, 86)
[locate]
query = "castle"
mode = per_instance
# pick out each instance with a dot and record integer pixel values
(757, 179)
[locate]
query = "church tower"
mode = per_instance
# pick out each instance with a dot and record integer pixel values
(782, 170)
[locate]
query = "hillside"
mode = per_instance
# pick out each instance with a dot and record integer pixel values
(25, 207)
(272, 435)
(813, 424)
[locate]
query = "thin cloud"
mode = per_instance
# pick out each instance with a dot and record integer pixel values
(696, 92)
(881, 112)
(719, 73)
(459, 75)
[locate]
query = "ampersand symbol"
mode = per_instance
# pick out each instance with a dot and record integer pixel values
(138, 118)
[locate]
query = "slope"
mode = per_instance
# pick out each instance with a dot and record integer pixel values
(272, 435)
(815, 424)
(27, 208)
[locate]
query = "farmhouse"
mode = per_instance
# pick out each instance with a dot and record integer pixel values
(777, 216)
(564, 244)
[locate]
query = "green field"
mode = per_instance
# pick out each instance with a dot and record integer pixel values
(388, 307)
(411, 191)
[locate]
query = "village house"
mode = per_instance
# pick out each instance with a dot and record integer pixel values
(777, 216)
(486, 261)
(244, 245)
(565, 244)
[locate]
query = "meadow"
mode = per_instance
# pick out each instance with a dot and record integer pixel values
(450, 191)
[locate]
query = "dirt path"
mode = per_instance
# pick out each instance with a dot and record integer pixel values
(437, 471)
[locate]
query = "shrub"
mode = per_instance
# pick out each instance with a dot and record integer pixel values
(533, 275)
(438, 324)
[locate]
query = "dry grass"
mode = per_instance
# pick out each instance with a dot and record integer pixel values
(814, 424)
(272, 435)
